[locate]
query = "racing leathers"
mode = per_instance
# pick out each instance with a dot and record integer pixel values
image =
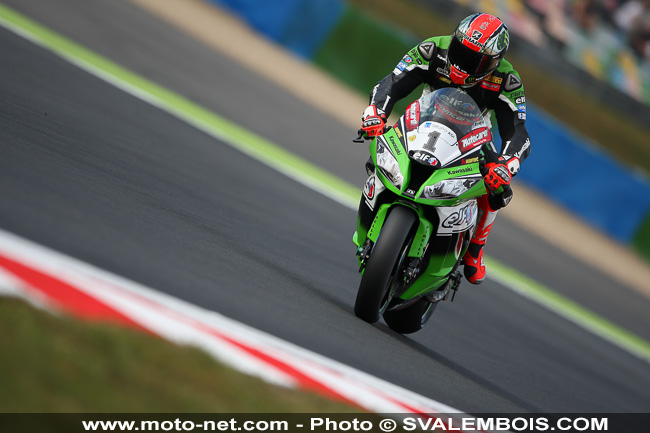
(501, 93)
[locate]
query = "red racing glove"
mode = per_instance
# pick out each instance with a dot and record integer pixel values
(496, 175)
(512, 162)
(373, 121)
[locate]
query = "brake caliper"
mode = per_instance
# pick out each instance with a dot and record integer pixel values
(364, 253)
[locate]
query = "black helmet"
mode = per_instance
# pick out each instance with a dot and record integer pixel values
(476, 48)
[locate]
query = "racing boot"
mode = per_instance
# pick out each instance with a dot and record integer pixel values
(474, 266)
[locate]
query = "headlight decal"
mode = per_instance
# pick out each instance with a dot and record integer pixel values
(450, 188)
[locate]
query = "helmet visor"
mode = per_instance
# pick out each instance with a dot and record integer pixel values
(469, 61)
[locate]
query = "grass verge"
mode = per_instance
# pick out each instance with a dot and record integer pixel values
(54, 363)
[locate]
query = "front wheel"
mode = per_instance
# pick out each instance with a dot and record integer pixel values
(382, 273)
(412, 318)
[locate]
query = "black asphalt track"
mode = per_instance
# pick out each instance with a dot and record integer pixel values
(97, 174)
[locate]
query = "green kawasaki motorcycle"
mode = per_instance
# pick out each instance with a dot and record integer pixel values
(419, 209)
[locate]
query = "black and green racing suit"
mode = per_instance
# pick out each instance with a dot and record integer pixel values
(501, 93)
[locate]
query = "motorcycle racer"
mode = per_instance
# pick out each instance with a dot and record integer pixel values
(472, 59)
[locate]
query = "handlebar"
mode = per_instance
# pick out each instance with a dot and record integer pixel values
(362, 138)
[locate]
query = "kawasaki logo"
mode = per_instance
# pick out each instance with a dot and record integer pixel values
(460, 170)
(395, 145)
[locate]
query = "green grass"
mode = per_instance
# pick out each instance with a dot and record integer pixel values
(626, 140)
(58, 364)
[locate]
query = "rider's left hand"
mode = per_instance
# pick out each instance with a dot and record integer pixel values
(512, 162)
(496, 176)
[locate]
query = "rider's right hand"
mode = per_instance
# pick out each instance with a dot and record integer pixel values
(373, 122)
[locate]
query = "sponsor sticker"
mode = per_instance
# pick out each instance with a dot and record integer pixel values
(401, 66)
(490, 86)
(457, 219)
(424, 157)
(476, 38)
(469, 107)
(460, 171)
(369, 188)
(518, 94)
(412, 116)
(493, 79)
(410, 192)
(395, 145)
(474, 139)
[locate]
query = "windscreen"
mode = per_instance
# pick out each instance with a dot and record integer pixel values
(450, 106)
(444, 126)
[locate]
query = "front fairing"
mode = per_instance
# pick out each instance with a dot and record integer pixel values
(432, 154)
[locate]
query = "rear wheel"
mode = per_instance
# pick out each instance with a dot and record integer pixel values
(383, 270)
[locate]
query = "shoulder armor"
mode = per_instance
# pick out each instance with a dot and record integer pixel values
(427, 50)
(512, 82)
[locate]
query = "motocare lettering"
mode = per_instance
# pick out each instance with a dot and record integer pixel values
(474, 139)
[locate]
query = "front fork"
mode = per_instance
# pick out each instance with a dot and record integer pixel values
(373, 211)
(424, 272)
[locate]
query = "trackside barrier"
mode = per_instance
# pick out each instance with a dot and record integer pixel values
(584, 179)
(299, 25)
(564, 166)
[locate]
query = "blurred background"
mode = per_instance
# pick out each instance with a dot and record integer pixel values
(585, 67)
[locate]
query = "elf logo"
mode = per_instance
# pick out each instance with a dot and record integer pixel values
(460, 219)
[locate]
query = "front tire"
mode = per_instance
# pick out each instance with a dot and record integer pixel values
(412, 318)
(382, 271)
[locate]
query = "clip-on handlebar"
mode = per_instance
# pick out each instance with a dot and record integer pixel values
(361, 138)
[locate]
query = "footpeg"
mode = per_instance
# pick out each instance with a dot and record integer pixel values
(455, 283)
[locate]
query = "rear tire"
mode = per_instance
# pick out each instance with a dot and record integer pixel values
(412, 318)
(383, 267)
